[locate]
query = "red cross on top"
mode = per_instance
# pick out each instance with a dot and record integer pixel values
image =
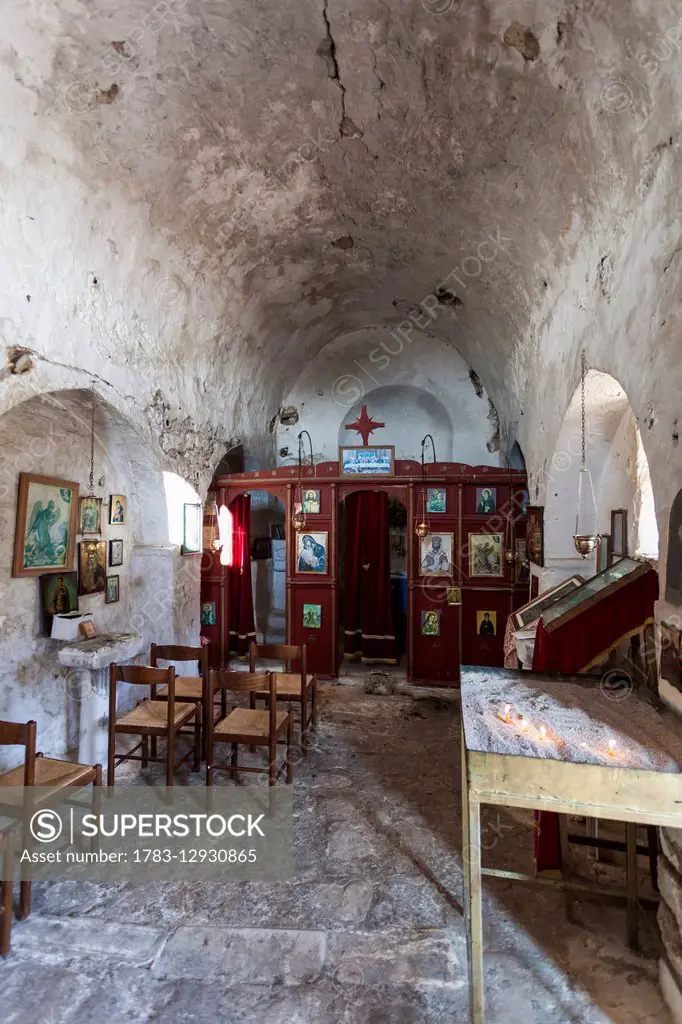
(364, 425)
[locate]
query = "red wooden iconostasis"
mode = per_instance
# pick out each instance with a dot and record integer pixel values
(430, 659)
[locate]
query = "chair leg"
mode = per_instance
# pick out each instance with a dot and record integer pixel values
(652, 837)
(631, 871)
(111, 759)
(145, 751)
(170, 758)
(304, 722)
(154, 750)
(272, 761)
(290, 749)
(314, 701)
(6, 923)
(233, 757)
(96, 804)
(197, 737)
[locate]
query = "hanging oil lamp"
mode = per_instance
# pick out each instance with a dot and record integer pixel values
(422, 529)
(298, 519)
(587, 516)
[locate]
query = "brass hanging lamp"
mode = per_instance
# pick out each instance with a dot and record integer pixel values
(587, 516)
(298, 519)
(422, 529)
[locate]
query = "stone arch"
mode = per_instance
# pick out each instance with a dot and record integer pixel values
(49, 434)
(619, 470)
(673, 588)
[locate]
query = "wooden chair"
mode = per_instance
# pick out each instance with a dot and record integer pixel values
(249, 726)
(7, 852)
(50, 774)
(294, 687)
(188, 689)
(150, 719)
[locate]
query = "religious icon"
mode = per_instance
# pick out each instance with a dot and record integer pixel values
(535, 534)
(485, 554)
(112, 592)
(92, 570)
(435, 554)
(435, 499)
(377, 461)
(312, 616)
(90, 515)
(430, 623)
(454, 595)
(58, 596)
(45, 537)
(311, 552)
(486, 500)
(521, 502)
(208, 614)
(522, 564)
(116, 552)
(117, 509)
(311, 501)
(486, 623)
(192, 533)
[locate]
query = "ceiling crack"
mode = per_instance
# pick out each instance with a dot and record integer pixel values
(328, 50)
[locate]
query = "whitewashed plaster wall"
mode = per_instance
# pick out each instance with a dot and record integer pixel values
(415, 388)
(620, 475)
(49, 435)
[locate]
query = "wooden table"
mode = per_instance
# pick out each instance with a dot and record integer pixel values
(609, 756)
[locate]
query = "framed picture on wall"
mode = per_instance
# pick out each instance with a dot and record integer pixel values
(370, 460)
(90, 517)
(46, 525)
(208, 613)
(435, 554)
(118, 509)
(485, 554)
(192, 533)
(113, 590)
(430, 623)
(535, 534)
(436, 499)
(311, 552)
(486, 500)
(58, 596)
(116, 551)
(92, 567)
(311, 501)
(312, 616)
(486, 623)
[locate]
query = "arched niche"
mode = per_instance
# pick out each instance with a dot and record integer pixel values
(49, 435)
(673, 587)
(620, 475)
(409, 413)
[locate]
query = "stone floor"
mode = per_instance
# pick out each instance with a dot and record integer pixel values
(369, 931)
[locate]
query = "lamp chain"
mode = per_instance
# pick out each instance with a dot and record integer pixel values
(92, 445)
(582, 406)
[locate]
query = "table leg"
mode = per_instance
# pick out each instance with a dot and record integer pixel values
(473, 909)
(632, 907)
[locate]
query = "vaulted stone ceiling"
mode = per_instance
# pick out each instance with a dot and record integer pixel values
(199, 196)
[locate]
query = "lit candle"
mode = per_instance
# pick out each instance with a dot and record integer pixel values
(523, 724)
(543, 732)
(506, 713)
(612, 748)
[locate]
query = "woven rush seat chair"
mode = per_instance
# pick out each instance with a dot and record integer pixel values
(294, 687)
(249, 726)
(151, 719)
(189, 689)
(52, 775)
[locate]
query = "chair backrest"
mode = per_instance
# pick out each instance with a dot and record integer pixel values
(278, 652)
(22, 734)
(141, 675)
(240, 682)
(180, 652)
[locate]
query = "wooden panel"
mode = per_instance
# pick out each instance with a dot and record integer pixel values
(600, 791)
(318, 641)
(435, 658)
(481, 648)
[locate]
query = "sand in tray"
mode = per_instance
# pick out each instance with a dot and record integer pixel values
(584, 722)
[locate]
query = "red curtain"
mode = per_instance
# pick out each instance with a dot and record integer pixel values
(369, 635)
(241, 627)
(574, 648)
